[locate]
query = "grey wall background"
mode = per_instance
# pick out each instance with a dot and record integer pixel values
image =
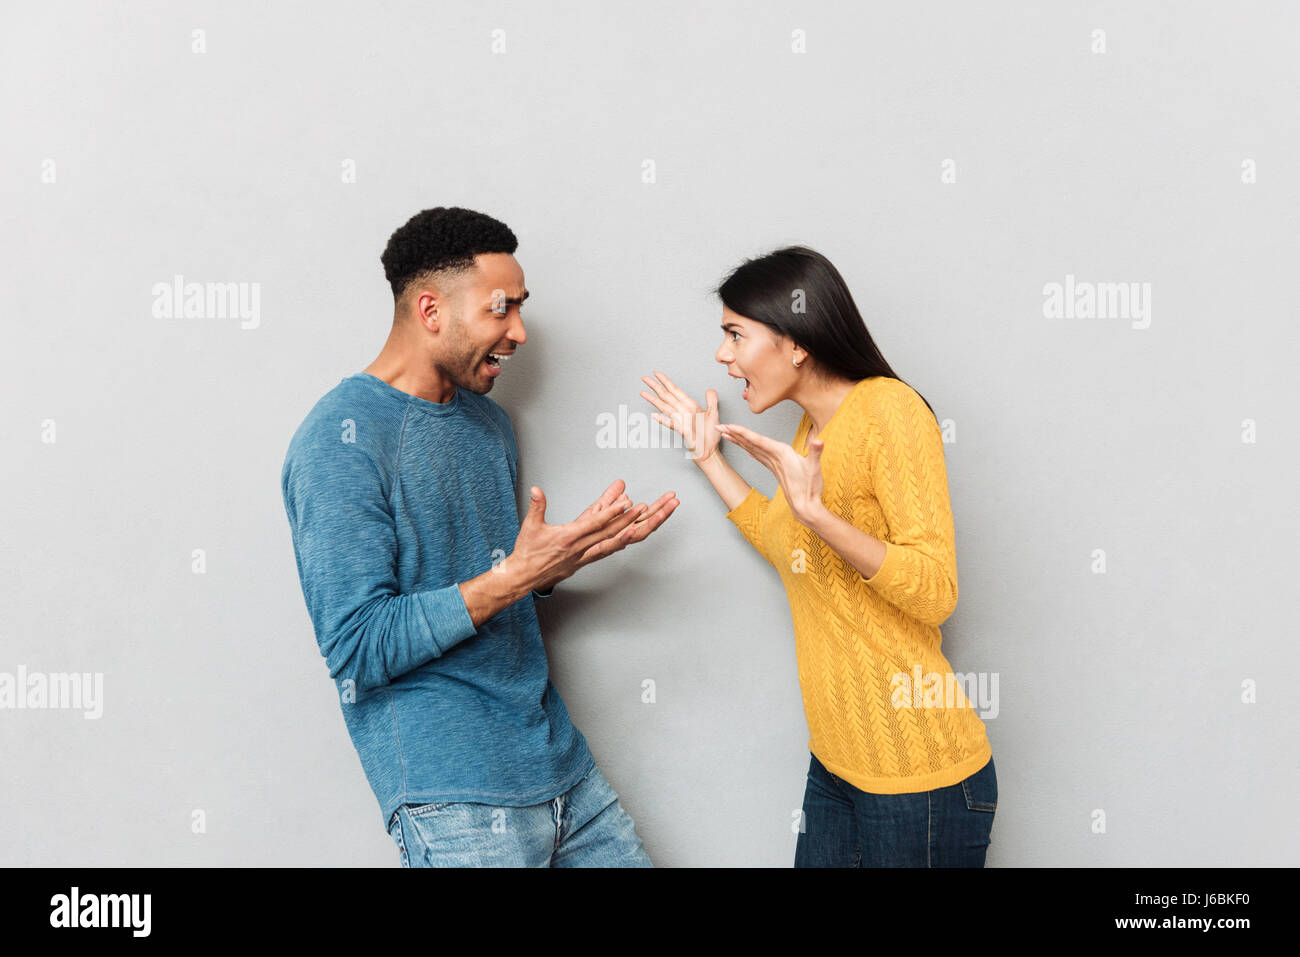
(1119, 692)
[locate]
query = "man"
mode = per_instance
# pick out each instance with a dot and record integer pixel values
(420, 579)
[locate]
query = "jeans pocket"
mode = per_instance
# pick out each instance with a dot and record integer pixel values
(420, 810)
(981, 789)
(399, 838)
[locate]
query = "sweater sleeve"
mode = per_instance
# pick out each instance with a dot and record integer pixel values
(749, 516)
(910, 481)
(345, 541)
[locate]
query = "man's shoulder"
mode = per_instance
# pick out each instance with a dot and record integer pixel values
(351, 417)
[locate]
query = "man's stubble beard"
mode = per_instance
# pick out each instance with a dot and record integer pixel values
(464, 369)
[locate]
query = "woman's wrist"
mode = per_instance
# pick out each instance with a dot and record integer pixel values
(726, 481)
(709, 459)
(817, 517)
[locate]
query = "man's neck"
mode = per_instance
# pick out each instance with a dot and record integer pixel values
(404, 369)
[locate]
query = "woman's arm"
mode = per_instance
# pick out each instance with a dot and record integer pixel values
(699, 429)
(726, 481)
(916, 569)
(861, 550)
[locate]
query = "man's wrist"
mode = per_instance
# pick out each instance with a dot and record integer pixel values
(514, 583)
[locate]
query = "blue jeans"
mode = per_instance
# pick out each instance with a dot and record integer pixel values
(584, 827)
(946, 827)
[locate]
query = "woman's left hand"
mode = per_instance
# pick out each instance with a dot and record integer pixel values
(800, 476)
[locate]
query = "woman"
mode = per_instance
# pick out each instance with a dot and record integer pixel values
(860, 529)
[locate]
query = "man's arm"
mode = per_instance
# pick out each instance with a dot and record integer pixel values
(345, 541)
(606, 499)
(493, 591)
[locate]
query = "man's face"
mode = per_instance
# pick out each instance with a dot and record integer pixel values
(485, 322)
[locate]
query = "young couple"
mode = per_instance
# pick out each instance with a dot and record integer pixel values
(420, 580)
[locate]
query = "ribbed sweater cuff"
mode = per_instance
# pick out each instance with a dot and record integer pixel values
(888, 568)
(448, 618)
(748, 506)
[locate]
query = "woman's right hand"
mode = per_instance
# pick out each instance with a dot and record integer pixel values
(698, 427)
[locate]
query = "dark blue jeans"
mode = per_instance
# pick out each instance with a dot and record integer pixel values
(946, 827)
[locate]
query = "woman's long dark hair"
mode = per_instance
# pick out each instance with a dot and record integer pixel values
(829, 327)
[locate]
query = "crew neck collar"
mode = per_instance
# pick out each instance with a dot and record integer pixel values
(436, 408)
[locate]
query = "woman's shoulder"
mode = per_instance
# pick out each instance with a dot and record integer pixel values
(879, 393)
(887, 395)
(879, 403)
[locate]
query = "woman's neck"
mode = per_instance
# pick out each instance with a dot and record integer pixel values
(820, 399)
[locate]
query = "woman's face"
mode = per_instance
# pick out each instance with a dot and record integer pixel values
(765, 359)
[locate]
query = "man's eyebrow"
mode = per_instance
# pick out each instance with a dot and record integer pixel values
(513, 302)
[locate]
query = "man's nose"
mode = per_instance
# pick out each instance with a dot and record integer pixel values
(517, 333)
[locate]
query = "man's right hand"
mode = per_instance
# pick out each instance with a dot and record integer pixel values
(546, 554)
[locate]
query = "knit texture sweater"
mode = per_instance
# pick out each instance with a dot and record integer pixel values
(392, 501)
(884, 710)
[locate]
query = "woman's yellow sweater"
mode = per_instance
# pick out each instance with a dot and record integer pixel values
(884, 710)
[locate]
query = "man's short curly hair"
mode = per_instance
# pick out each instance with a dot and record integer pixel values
(444, 239)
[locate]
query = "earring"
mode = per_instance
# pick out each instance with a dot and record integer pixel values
(796, 363)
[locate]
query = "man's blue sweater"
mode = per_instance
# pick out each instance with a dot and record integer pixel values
(392, 500)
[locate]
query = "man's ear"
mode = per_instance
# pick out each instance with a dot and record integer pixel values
(429, 308)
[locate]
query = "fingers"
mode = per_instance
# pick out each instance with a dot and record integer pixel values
(607, 498)
(657, 402)
(748, 438)
(536, 507)
(675, 405)
(736, 435)
(634, 524)
(672, 388)
(636, 532)
(741, 436)
(658, 505)
(609, 529)
(749, 435)
(668, 391)
(711, 397)
(648, 522)
(675, 423)
(661, 391)
(593, 519)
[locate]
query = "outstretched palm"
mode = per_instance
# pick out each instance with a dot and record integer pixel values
(800, 475)
(697, 426)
